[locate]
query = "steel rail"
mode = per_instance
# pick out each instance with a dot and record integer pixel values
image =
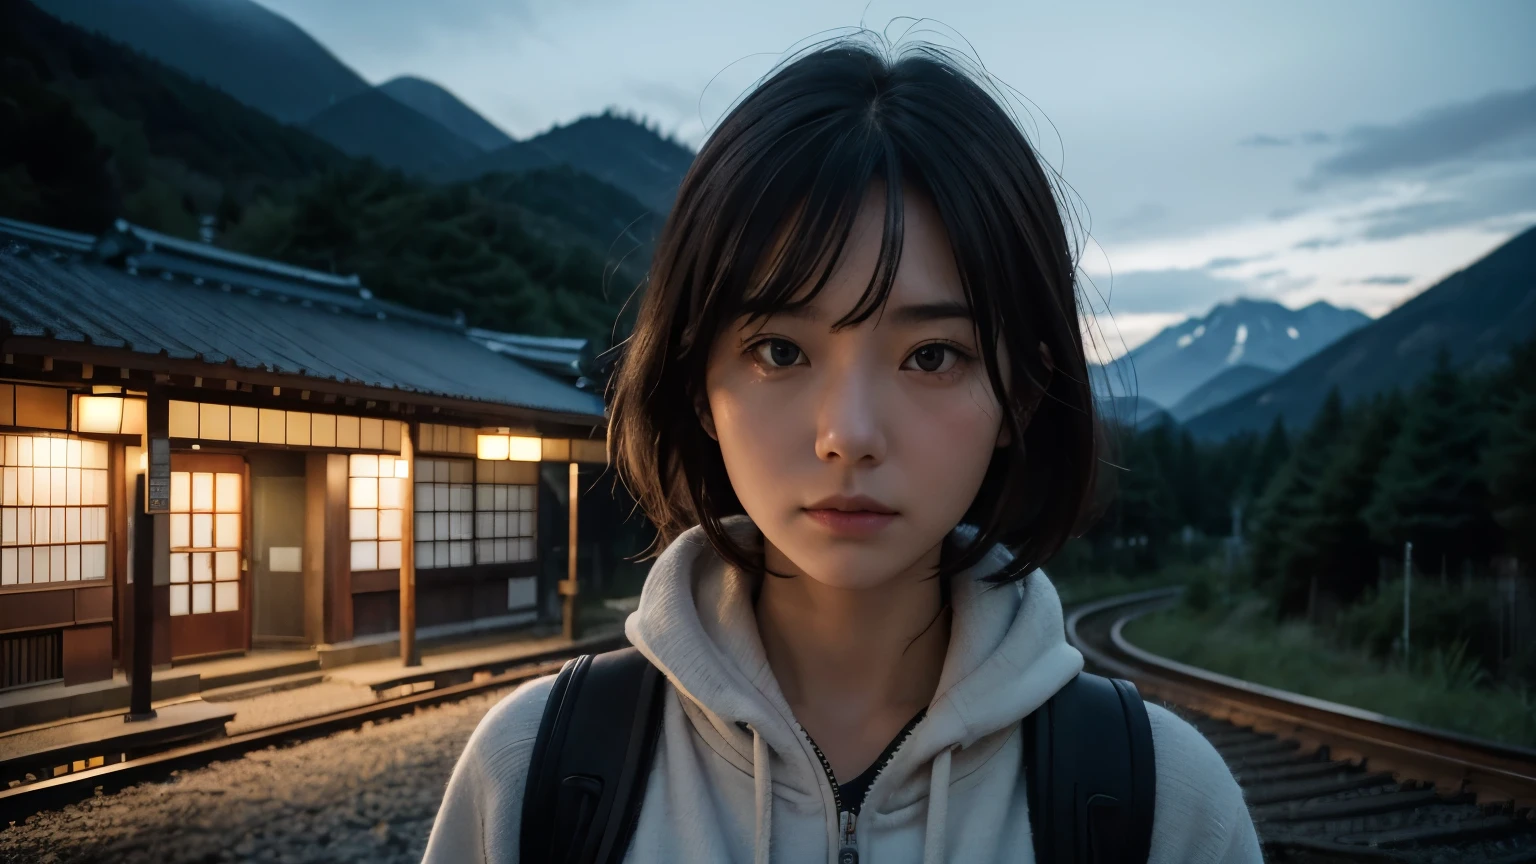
(1496, 774)
(25, 800)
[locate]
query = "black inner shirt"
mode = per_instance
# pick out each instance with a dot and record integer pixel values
(854, 790)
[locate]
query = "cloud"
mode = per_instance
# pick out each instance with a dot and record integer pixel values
(1320, 243)
(1498, 126)
(1162, 291)
(1147, 214)
(1229, 262)
(1487, 198)
(1262, 140)
(1385, 280)
(680, 101)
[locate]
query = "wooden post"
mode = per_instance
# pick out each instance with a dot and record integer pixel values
(410, 654)
(569, 625)
(152, 495)
(142, 555)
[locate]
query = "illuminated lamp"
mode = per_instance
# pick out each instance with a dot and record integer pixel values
(109, 413)
(500, 445)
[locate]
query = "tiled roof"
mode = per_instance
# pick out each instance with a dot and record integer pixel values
(151, 294)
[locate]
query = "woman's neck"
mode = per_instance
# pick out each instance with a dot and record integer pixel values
(847, 656)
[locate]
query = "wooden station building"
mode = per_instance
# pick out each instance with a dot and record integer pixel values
(318, 438)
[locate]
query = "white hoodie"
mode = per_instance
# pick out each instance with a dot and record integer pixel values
(735, 778)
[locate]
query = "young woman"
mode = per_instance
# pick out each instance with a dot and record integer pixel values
(857, 380)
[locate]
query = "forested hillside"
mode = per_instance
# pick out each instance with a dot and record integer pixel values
(104, 133)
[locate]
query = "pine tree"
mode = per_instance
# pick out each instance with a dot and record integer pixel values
(1272, 455)
(1144, 505)
(1430, 489)
(1509, 464)
(1331, 539)
(1289, 494)
(1189, 481)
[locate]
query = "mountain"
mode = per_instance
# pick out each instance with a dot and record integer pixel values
(1477, 313)
(1132, 411)
(1262, 333)
(238, 46)
(612, 148)
(376, 126)
(95, 131)
(1230, 384)
(444, 107)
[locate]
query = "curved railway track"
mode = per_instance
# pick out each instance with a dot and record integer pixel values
(25, 800)
(1324, 782)
(1327, 782)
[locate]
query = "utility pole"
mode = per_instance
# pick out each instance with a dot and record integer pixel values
(1407, 590)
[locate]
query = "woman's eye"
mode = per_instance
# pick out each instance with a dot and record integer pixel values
(777, 353)
(933, 357)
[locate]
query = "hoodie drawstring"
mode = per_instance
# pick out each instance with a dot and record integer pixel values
(938, 808)
(762, 783)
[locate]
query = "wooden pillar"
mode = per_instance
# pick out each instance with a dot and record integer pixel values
(410, 654)
(569, 625)
(152, 493)
(142, 544)
(337, 566)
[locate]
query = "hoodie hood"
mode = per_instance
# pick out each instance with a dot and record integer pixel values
(1007, 656)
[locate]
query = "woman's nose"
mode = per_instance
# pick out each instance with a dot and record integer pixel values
(850, 423)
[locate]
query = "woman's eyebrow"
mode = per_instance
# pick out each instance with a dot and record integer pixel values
(917, 313)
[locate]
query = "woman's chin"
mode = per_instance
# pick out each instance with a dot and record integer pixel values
(853, 566)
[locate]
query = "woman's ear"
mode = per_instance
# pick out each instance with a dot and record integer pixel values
(706, 418)
(1004, 438)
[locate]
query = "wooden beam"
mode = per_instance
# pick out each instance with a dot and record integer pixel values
(471, 411)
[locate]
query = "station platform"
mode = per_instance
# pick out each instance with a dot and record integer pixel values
(50, 727)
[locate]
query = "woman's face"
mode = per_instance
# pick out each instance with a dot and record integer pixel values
(856, 452)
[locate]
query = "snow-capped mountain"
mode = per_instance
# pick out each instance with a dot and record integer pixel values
(1243, 332)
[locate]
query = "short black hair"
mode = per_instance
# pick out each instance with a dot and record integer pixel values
(765, 211)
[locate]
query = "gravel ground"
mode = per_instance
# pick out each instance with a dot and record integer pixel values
(365, 795)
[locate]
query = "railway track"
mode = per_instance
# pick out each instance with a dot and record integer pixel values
(124, 770)
(1327, 782)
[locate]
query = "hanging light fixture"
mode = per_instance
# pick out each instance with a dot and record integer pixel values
(501, 445)
(109, 411)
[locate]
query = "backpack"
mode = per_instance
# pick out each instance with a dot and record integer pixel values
(1087, 760)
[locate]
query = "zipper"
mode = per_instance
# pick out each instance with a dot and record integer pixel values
(847, 818)
(848, 851)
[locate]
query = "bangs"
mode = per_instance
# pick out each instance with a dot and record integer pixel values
(794, 257)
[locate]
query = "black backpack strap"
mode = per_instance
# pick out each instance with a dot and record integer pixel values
(590, 762)
(1091, 774)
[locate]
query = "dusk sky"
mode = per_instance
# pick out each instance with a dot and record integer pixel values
(1354, 152)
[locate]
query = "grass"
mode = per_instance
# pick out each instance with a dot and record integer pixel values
(1442, 689)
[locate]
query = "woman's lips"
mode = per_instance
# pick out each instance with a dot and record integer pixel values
(851, 523)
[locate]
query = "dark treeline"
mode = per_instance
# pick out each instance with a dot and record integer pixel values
(1449, 465)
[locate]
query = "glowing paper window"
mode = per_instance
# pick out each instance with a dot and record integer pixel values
(376, 494)
(445, 503)
(205, 524)
(504, 514)
(53, 509)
